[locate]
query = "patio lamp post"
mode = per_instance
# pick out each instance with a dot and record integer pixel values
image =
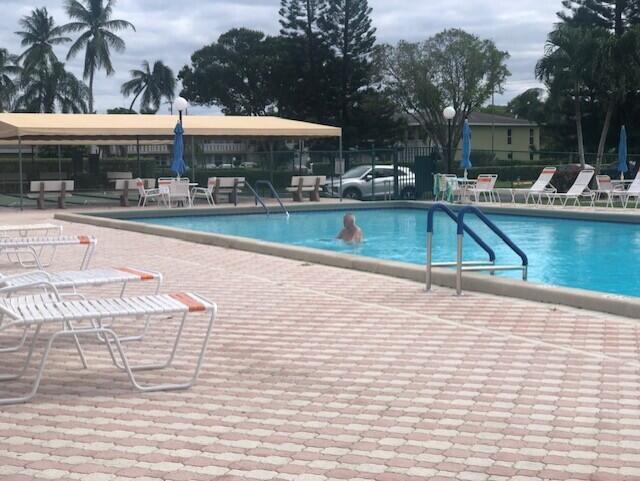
(181, 105)
(449, 113)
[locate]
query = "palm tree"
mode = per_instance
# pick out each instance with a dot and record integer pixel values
(153, 85)
(9, 69)
(93, 19)
(569, 64)
(39, 34)
(48, 87)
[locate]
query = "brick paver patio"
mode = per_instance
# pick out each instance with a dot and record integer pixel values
(318, 373)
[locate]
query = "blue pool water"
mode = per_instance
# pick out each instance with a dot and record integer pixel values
(600, 256)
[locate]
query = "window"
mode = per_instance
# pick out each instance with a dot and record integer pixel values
(510, 155)
(532, 138)
(509, 136)
(380, 173)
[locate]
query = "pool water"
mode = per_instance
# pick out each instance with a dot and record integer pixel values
(600, 256)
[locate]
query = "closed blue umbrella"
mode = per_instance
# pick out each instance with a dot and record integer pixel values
(178, 166)
(622, 153)
(465, 162)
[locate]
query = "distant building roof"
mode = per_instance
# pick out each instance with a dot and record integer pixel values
(481, 118)
(485, 119)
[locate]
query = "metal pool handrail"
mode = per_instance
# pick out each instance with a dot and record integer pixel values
(273, 192)
(257, 198)
(496, 230)
(461, 229)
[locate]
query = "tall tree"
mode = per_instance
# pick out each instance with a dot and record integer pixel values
(452, 68)
(620, 53)
(9, 72)
(306, 58)
(568, 65)
(153, 84)
(48, 88)
(528, 105)
(39, 34)
(235, 73)
(347, 29)
(94, 19)
(613, 15)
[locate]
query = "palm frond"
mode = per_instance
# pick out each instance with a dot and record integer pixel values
(118, 25)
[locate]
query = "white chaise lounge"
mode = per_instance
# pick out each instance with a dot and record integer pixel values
(87, 317)
(16, 248)
(580, 188)
(26, 230)
(541, 188)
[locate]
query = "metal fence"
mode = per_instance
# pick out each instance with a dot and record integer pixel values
(411, 168)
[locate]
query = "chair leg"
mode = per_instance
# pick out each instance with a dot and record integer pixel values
(18, 346)
(27, 362)
(167, 386)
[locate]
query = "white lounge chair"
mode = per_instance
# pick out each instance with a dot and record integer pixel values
(87, 317)
(26, 230)
(75, 280)
(633, 191)
(608, 189)
(32, 247)
(484, 187)
(541, 187)
(580, 188)
(19, 283)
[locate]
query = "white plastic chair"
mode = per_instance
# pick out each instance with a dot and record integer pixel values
(608, 189)
(179, 192)
(206, 192)
(146, 194)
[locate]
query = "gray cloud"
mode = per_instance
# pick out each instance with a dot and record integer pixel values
(171, 30)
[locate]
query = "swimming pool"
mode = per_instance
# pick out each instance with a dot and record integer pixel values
(594, 255)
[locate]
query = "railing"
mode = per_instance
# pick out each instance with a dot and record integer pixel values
(452, 215)
(274, 193)
(460, 264)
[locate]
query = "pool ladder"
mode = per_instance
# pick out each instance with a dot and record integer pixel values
(274, 193)
(470, 266)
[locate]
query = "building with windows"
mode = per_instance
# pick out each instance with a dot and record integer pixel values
(508, 138)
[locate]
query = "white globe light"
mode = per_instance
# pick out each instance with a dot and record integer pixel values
(180, 104)
(449, 113)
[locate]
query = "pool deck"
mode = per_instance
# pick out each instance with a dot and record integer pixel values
(319, 373)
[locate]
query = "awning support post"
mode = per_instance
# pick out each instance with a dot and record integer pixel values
(138, 156)
(20, 172)
(193, 157)
(341, 162)
(59, 163)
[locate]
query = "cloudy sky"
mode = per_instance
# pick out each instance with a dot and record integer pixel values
(171, 30)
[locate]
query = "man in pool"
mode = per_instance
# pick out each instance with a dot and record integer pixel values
(351, 233)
